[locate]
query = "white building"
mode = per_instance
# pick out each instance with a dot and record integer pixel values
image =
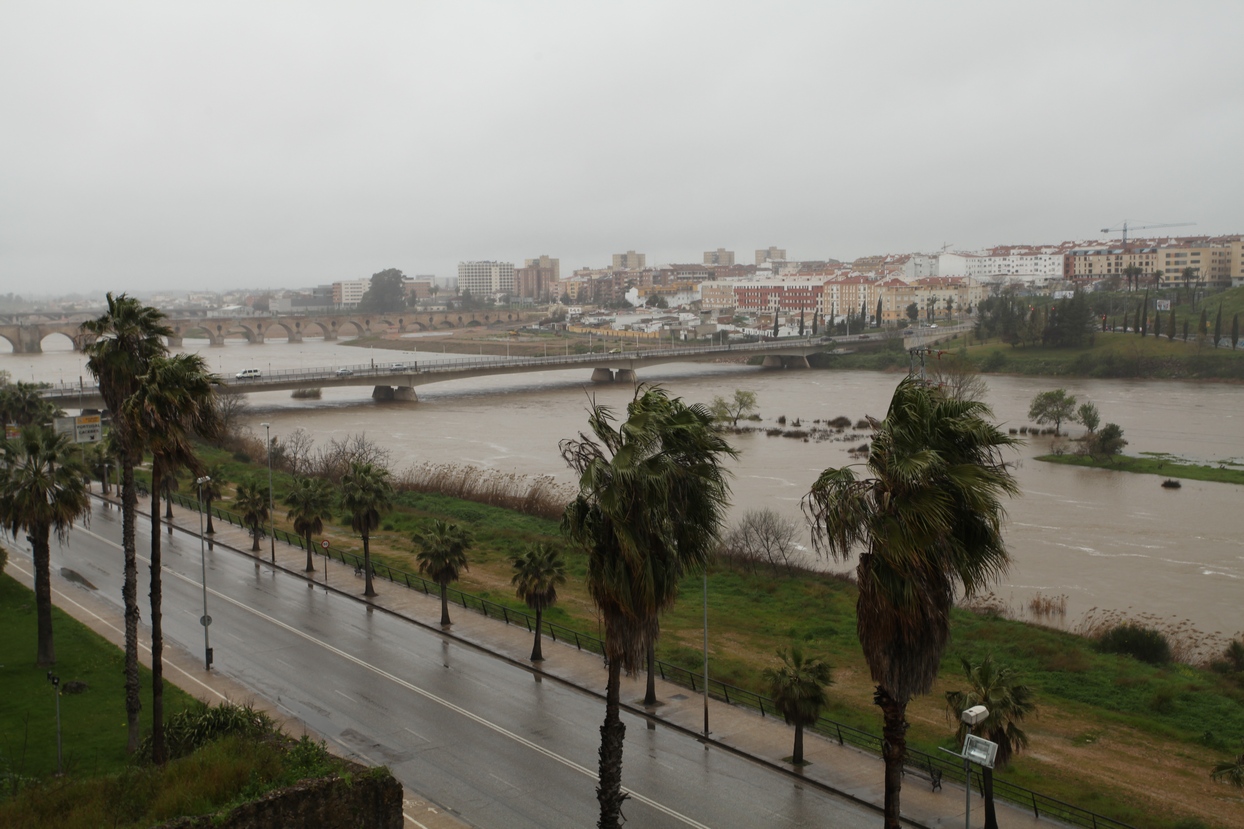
(484, 279)
(349, 292)
(1036, 266)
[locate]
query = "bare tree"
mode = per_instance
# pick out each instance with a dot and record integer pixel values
(334, 460)
(297, 452)
(232, 411)
(958, 378)
(762, 535)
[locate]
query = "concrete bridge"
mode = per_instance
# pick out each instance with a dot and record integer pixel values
(27, 336)
(398, 381)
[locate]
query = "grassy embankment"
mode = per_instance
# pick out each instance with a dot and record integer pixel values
(1104, 719)
(102, 785)
(1157, 463)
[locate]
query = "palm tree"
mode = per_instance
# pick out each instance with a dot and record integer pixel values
(651, 503)
(442, 557)
(365, 493)
(213, 490)
(1230, 771)
(251, 499)
(798, 688)
(537, 572)
(929, 521)
(42, 487)
(174, 400)
(1008, 701)
(23, 404)
(310, 502)
(125, 340)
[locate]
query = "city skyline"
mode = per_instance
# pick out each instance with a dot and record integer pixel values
(151, 146)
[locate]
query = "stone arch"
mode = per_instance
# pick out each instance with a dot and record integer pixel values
(293, 335)
(474, 323)
(325, 330)
(56, 335)
(353, 324)
(12, 345)
(224, 331)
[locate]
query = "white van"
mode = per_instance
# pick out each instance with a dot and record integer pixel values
(249, 374)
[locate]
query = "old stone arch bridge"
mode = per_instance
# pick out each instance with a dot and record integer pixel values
(27, 337)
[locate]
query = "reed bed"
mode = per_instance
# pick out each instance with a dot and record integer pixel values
(538, 495)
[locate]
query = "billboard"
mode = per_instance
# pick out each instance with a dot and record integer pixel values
(84, 429)
(1163, 304)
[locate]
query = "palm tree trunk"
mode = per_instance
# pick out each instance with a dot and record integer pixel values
(797, 757)
(45, 651)
(650, 693)
(210, 529)
(369, 590)
(168, 508)
(310, 560)
(991, 814)
(129, 596)
(537, 655)
(157, 629)
(255, 538)
(445, 606)
(609, 791)
(893, 751)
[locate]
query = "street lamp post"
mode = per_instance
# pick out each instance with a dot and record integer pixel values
(55, 680)
(706, 655)
(206, 621)
(973, 716)
(267, 427)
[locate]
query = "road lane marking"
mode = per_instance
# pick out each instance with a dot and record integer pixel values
(428, 695)
(352, 699)
(121, 632)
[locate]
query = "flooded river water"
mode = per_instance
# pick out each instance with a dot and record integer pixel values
(1103, 539)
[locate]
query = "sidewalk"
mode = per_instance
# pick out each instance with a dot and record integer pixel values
(843, 770)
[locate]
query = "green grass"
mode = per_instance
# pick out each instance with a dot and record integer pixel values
(92, 723)
(1229, 472)
(752, 615)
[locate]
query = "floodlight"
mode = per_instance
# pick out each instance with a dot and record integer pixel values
(974, 716)
(979, 750)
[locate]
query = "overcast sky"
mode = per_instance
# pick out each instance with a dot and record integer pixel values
(211, 145)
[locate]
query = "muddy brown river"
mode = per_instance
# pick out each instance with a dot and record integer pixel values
(1107, 540)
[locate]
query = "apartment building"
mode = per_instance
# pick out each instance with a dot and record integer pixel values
(717, 294)
(538, 279)
(485, 279)
(721, 256)
(776, 294)
(629, 261)
(1212, 264)
(770, 254)
(349, 292)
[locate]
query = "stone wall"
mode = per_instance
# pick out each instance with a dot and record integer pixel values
(370, 799)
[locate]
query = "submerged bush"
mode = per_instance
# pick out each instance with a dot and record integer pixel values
(1146, 644)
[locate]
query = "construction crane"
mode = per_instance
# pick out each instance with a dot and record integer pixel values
(1125, 227)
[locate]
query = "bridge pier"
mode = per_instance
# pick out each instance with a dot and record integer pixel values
(382, 393)
(797, 361)
(772, 361)
(602, 375)
(624, 375)
(406, 393)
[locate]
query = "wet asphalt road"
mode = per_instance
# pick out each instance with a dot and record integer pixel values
(487, 740)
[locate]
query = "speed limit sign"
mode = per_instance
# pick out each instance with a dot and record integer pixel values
(324, 544)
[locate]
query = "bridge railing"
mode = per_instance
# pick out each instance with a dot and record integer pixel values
(386, 370)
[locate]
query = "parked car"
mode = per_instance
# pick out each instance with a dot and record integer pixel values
(249, 374)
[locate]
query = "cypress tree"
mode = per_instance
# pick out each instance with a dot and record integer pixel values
(1157, 323)
(1218, 326)
(1185, 329)
(1235, 330)
(801, 322)
(863, 315)
(1203, 329)
(1170, 328)
(814, 315)
(877, 322)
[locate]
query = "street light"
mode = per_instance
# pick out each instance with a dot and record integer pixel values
(974, 748)
(206, 620)
(55, 680)
(267, 428)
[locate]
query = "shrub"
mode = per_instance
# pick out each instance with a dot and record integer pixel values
(1146, 644)
(994, 361)
(840, 422)
(4, 557)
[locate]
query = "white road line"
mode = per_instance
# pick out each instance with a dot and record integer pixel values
(352, 699)
(118, 630)
(428, 695)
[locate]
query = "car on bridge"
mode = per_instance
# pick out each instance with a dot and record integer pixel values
(345, 372)
(400, 367)
(249, 374)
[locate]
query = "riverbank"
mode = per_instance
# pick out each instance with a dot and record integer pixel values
(1227, 472)
(1103, 719)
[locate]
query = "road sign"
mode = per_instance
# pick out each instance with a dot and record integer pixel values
(84, 429)
(324, 544)
(205, 620)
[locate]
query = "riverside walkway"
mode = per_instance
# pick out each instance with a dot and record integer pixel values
(840, 769)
